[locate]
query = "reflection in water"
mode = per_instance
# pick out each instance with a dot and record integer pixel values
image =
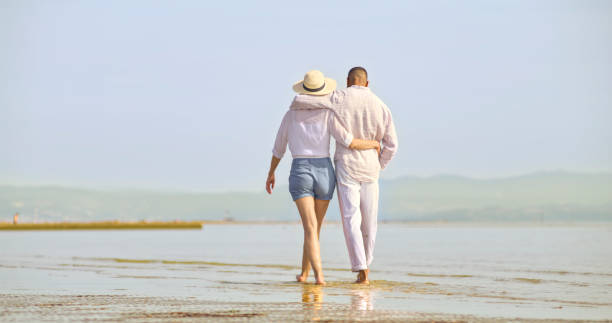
(312, 300)
(362, 299)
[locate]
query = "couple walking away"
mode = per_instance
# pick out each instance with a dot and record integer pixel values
(366, 141)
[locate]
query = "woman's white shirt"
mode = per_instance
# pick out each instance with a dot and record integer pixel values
(307, 132)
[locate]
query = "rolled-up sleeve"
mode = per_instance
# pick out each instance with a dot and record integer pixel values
(338, 130)
(280, 144)
(389, 140)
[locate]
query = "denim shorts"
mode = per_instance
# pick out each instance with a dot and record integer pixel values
(312, 177)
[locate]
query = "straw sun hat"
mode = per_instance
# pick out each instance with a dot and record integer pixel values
(315, 83)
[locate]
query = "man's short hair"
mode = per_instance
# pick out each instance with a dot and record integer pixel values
(355, 71)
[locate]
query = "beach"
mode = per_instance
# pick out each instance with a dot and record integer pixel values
(101, 225)
(119, 308)
(245, 272)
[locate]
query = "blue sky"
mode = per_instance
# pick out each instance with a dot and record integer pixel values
(188, 95)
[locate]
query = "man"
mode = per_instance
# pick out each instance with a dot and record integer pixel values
(364, 116)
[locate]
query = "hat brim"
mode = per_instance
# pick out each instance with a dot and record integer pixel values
(330, 86)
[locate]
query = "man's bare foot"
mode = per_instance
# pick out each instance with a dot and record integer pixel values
(362, 277)
(301, 278)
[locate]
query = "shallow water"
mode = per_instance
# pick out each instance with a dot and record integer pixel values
(524, 272)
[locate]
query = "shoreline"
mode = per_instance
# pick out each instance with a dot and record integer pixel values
(102, 225)
(196, 225)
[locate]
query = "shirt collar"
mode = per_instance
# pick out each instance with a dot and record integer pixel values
(359, 87)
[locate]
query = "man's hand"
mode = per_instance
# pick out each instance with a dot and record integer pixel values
(361, 144)
(377, 148)
(270, 183)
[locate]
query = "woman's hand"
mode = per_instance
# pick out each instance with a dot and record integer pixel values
(270, 183)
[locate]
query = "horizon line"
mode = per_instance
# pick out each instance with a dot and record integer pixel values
(110, 188)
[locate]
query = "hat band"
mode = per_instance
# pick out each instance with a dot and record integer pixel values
(313, 90)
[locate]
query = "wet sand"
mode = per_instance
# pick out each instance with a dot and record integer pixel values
(136, 225)
(123, 308)
(104, 225)
(245, 273)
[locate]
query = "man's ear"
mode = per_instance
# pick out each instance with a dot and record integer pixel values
(367, 83)
(347, 82)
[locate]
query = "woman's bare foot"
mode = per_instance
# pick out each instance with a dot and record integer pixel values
(319, 280)
(301, 278)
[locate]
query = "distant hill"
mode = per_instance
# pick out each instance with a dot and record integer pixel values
(540, 196)
(551, 196)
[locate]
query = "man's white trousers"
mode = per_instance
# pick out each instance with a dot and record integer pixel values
(359, 209)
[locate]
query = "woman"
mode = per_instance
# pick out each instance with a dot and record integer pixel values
(312, 179)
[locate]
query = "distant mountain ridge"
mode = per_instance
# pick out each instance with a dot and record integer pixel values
(538, 196)
(544, 196)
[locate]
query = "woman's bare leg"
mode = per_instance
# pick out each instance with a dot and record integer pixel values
(312, 252)
(305, 267)
(320, 210)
